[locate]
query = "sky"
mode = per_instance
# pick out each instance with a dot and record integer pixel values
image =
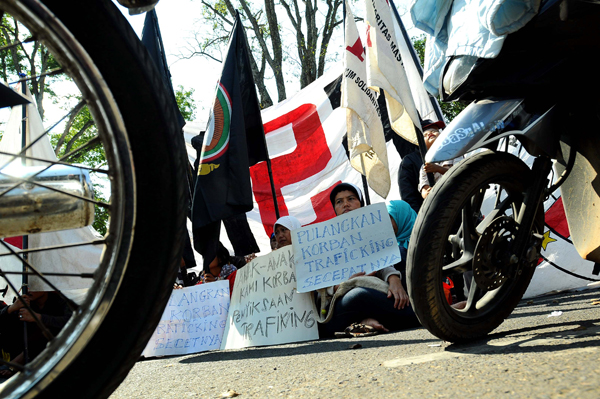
(178, 19)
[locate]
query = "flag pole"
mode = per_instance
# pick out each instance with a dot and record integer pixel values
(25, 238)
(362, 162)
(272, 183)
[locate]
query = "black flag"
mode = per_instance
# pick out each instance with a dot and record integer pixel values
(152, 40)
(234, 141)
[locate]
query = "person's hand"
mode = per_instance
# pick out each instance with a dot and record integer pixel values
(425, 191)
(209, 278)
(177, 286)
(19, 304)
(25, 315)
(250, 257)
(431, 167)
(397, 292)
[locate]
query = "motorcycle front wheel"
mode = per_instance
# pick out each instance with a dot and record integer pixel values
(465, 231)
(143, 176)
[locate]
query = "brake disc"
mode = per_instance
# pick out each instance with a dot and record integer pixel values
(492, 260)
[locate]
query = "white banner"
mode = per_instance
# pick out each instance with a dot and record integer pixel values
(265, 308)
(386, 69)
(328, 253)
(366, 140)
(193, 321)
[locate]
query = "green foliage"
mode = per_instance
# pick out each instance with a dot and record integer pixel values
(185, 102)
(452, 109)
(81, 131)
(101, 215)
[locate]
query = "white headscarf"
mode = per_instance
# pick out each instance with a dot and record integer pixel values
(289, 222)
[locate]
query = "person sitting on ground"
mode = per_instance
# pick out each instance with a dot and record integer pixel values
(221, 268)
(410, 170)
(273, 242)
(283, 228)
(372, 309)
(429, 167)
(48, 307)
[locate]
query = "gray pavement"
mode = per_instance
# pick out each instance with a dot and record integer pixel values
(530, 355)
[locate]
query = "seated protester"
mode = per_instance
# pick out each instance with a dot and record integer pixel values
(403, 219)
(437, 169)
(373, 309)
(221, 268)
(11, 339)
(283, 227)
(410, 170)
(49, 308)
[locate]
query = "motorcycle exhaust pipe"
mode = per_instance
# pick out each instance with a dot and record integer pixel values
(30, 208)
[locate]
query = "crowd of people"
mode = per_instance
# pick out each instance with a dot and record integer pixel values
(363, 309)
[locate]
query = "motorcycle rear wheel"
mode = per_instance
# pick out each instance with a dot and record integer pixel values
(464, 232)
(146, 163)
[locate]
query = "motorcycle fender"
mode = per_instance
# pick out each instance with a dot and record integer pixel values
(473, 126)
(581, 193)
(484, 122)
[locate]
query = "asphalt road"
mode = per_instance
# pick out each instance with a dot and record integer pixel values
(531, 355)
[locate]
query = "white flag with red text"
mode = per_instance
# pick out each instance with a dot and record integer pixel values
(366, 140)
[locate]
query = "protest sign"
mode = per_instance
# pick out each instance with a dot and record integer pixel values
(265, 307)
(193, 321)
(328, 253)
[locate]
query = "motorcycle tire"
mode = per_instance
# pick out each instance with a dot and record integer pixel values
(437, 241)
(146, 161)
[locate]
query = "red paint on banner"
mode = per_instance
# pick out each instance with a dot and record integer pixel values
(309, 158)
(15, 241)
(557, 220)
(357, 50)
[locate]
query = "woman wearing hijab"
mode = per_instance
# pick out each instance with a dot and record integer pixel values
(372, 309)
(283, 228)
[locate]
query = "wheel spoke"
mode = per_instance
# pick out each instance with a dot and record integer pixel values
(72, 305)
(52, 72)
(21, 180)
(464, 264)
(469, 233)
(15, 366)
(28, 146)
(93, 142)
(499, 209)
(47, 334)
(54, 247)
(82, 275)
(82, 167)
(474, 294)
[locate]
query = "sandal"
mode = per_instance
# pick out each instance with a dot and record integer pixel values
(360, 330)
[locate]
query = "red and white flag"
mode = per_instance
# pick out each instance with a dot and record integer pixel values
(385, 69)
(366, 140)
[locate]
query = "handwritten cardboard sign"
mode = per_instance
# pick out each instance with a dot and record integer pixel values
(193, 321)
(329, 252)
(265, 307)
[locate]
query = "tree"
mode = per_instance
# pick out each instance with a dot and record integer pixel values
(185, 102)
(79, 130)
(312, 25)
(450, 110)
(26, 56)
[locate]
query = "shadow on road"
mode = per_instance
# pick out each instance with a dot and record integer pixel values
(523, 342)
(312, 347)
